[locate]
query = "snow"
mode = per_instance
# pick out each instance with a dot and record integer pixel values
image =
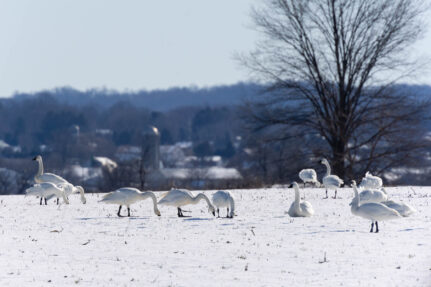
(88, 245)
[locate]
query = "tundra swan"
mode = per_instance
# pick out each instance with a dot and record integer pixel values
(309, 175)
(127, 196)
(224, 199)
(403, 208)
(69, 189)
(46, 177)
(46, 190)
(372, 195)
(299, 208)
(181, 197)
(330, 181)
(371, 181)
(373, 211)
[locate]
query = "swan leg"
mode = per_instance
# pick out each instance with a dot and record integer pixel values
(326, 191)
(58, 200)
(218, 212)
(180, 212)
(227, 214)
(372, 226)
(335, 195)
(128, 211)
(377, 227)
(45, 201)
(119, 210)
(41, 200)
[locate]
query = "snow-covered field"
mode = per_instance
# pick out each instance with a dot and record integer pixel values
(88, 245)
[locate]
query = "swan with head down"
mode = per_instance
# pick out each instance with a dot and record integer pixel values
(180, 197)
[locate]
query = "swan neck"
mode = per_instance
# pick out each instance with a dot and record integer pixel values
(355, 201)
(147, 194)
(40, 169)
(83, 199)
(201, 196)
(328, 168)
(297, 196)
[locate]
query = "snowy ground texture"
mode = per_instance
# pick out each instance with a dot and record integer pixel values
(88, 245)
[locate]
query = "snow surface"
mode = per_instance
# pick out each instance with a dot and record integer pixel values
(88, 245)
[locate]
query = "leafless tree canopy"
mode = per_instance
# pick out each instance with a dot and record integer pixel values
(332, 65)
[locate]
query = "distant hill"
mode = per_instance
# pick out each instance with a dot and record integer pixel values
(157, 100)
(165, 100)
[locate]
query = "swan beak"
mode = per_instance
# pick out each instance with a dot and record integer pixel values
(290, 186)
(350, 204)
(34, 158)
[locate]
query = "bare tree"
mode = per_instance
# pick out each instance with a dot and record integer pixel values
(332, 65)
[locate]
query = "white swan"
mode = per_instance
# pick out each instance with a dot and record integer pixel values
(309, 175)
(372, 211)
(300, 208)
(69, 188)
(403, 209)
(127, 196)
(371, 181)
(330, 181)
(372, 195)
(46, 190)
(46, 177)
(181, 197)
(224, 199)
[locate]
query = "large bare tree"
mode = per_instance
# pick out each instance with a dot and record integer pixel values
(332, 65)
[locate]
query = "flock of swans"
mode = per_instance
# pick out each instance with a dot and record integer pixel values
(370, 201)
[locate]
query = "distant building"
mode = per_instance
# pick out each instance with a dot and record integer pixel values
(150, 147)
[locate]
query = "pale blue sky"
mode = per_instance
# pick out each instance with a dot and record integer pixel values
(127, 44)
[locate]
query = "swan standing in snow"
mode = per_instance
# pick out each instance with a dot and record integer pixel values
(403, 209)
(299, 208)
(181, 197)
(371, 181)
(224, 199)
(372, 195)
(372, 211)
(46, 177)
(330, 181)
(309, 175)
(127, 196)
(46, 190)
(69, 188)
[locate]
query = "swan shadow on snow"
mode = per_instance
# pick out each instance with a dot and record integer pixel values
(113, 217)
(411, 229)
(197, 219)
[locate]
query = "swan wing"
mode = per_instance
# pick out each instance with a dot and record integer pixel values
(306, 208)
(50, 177)
(372, 196)
(125, 195)
(403, 208)
(373, 182)
(377, 211)
(332, 181)
(308, 175)
(221, 198)
(176, 197)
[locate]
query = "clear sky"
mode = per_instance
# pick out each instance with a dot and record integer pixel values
(124, 44)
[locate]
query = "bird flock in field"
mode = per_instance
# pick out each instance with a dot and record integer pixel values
(370, 201)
